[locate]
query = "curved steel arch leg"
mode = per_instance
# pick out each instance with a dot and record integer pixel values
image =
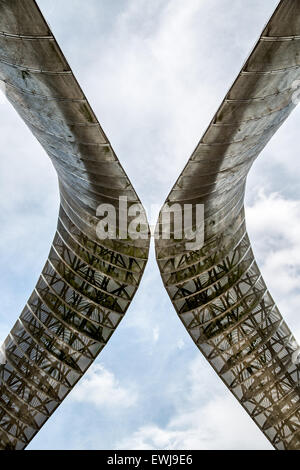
(218, 291)
(87, 284)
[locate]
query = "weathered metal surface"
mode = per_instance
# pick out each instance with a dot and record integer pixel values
(218, 291)
(86, 285)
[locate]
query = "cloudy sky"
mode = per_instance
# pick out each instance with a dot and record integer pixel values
(154, 71)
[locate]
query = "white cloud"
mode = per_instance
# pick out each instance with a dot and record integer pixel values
(100, 388)
(155, 334)
(206, 417)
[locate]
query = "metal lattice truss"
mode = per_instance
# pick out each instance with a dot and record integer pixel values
(86, 285)
(218, 291)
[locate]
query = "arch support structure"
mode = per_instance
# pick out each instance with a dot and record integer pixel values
(217, 290)
(86, 284)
